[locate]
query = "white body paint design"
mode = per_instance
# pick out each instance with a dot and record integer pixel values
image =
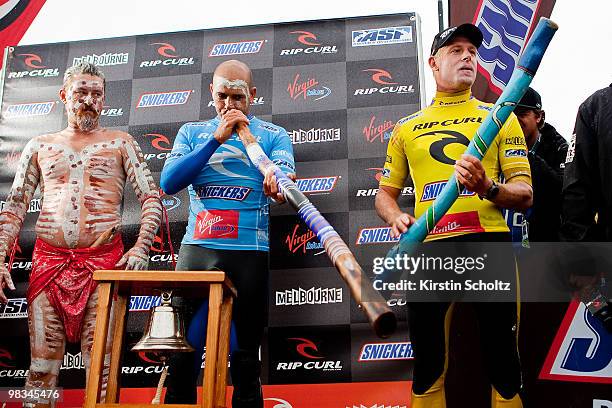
(219, 83)
(82, 188)
(69, 197)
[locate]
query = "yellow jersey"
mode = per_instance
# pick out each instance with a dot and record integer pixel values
(427, 143)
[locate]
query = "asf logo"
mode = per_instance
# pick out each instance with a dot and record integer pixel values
(159, 141)
(32, 61)
(306, 38)
(305, 347)
(380, 76)
(166, 50)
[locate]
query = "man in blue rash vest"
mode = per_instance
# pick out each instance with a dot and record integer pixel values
(228, 213)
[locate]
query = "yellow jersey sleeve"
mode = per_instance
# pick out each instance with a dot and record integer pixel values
(395, 171)
(513, 152)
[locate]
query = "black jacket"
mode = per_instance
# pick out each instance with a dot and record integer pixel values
(547, 161)
(587, 185)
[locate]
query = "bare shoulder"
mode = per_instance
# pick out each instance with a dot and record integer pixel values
(40, 141)
(48, 138)
(121, 138)
(113, 134)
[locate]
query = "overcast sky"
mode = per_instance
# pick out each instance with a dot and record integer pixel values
(577, 63)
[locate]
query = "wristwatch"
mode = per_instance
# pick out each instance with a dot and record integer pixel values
(491, 193)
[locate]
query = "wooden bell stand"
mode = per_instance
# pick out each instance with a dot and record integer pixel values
(190, 283)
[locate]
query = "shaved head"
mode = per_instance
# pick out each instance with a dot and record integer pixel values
(232, 87)
(234, 69)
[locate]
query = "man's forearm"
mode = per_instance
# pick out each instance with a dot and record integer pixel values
(178, 173)
(150, 220)
(18, 200)
(10, 225)
(146, 192)
(515, 195)
(386, 206)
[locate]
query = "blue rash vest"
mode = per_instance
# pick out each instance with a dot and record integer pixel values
(227, 205)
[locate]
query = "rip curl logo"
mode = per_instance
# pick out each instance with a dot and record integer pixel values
(378, 131)
(307, 89)
(304, 346)
(159, 141)
(306, 38)
(380, 75)
(281, 403)
(309, 44)
(385, 84)
(445, 138)
(32, 61)
(216, 224)
(158, 244)
(223, 155)
(447, 33)
(166, 50)
(169, 57)
(6, 359)
(148, 357)
(377, 172)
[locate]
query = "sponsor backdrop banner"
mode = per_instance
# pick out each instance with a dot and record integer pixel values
(337, 87)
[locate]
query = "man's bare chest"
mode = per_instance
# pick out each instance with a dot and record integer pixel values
(62, 163)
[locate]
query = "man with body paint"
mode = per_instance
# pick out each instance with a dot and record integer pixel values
(81, 172)
(228, 225)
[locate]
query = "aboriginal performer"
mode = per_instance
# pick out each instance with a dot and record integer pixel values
(81, 172)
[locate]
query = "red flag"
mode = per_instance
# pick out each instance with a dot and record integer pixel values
(506, 26)
(16, 16)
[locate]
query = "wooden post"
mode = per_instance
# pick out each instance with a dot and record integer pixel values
(212, 345)
(224, 341)
(119, 317)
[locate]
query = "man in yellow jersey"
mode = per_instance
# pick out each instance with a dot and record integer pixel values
(429, 145)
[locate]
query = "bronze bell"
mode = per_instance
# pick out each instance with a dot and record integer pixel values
(165, 330)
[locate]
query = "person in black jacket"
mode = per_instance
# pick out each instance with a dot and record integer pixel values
(587, 195)
(547, 153)
(587, 186)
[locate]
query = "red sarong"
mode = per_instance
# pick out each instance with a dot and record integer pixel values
(66, 276)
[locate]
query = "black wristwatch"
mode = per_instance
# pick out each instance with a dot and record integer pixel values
(491, 193)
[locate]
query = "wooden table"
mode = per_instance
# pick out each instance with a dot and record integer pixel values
(189, 283)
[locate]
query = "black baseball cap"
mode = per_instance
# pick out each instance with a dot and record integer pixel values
(469, 31)
(531, 100)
